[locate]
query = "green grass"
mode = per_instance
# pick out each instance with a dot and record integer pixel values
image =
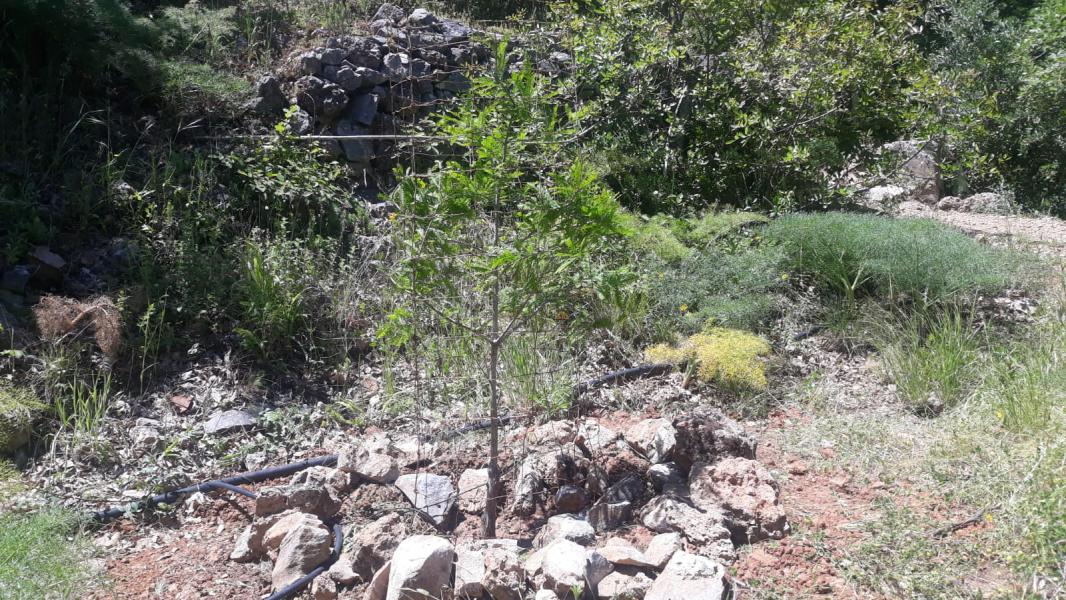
(920, 260)
(932, 359)
(42, 555)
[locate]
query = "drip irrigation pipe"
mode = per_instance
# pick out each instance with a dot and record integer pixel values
(294, 588)
(630, 374)
(229, 483)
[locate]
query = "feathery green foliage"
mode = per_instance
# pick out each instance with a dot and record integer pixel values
(918, 259)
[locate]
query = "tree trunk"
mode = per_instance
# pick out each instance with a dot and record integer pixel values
(488, 523)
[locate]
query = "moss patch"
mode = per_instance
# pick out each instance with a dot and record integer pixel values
(18, 408)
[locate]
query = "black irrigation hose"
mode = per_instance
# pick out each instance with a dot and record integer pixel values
(294, 588)
(229, 483)
(630, 374)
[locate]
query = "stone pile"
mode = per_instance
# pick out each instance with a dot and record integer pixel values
(691, 481)
(374, 84)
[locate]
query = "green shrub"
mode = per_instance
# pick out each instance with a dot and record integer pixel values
(653, 236)
(918, 259)
(42, 555)
(741, 103)
(734, 288)
(274, 295)
(714, 225)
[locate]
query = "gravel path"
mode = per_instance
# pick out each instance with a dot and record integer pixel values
(1045, 236)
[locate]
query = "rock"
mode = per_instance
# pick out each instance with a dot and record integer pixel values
(396, 67)
(364, 53)
(661, 548)
(918, 173)
(504, 578)
(332, 56)
(705, 531)
(304, 548)
(707, 434)
(320, 98)
(605, 516)
(269, 99)
(270, 500)
(421, 568)
(389, 12)
(563, 568)
(596, 567)
(565, 527)
(276, 533)
(620, 586)
(242, 552)
(374, 467)
(318, 490)
(421, 17)
(689, 577)
(371, 76)
(379, 583)
(356, 151)
(454, 31)
(884, 197)
(667, 477)
(323, 588)
(341, 571)
(374, 544)
(473, 489)
(470, 567)
(594, 437)
(49, 267)
(431, 494)
(988, 203)
(654, 438)
(616, 505)
(620, 552)
(227, 421)
(16, 278)
(344, 76)
(746, 490)
(145, 439)
(310, 63)
(362, 109)
(570, 499)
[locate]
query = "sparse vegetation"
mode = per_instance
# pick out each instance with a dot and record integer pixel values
(679, 177)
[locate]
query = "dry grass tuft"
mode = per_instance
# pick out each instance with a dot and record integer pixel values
(60, 318)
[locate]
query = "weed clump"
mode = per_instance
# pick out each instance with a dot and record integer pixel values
(729, 357)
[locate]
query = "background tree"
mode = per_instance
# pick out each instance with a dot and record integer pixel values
(505, 238)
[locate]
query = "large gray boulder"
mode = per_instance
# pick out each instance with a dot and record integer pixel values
(914, 168)
(434, 495)
(305, 547)
(706, 531)
(689, 577)
(565, 527)
(746, 491)
(421, 568)
(471, 569)
(320, 98)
